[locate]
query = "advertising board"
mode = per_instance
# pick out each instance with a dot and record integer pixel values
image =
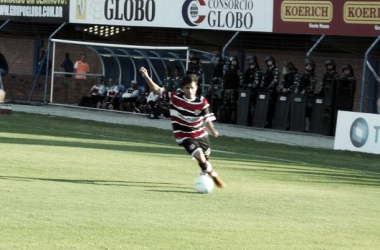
(45, 11)
(232, 15)
(358, 132)
(338, 17)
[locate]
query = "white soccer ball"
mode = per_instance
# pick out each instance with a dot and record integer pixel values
(204, 184)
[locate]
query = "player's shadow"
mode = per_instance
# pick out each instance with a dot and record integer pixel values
(101, 182)
(132, 147)
(173, 191)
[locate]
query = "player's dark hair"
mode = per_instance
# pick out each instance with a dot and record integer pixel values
(189, 78)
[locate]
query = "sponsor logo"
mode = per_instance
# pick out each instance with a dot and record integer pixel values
(130, 10)
(361, 12)
(81, 6)
(190, 12)
(307, 11)
(220, 14)
(359, 132)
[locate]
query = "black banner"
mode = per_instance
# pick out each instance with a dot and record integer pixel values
(44, 11)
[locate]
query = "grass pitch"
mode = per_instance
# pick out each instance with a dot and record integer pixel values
(74, 184)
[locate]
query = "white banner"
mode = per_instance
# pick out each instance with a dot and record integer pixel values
(358, 132)
(232, 15)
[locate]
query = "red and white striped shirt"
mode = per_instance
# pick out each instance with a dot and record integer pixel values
(188, 116)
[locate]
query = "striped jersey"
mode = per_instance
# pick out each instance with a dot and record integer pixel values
(188, 116)
(113, 90)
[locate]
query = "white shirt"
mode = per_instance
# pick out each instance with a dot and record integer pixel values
(113, 90)
(130, 93)
(152, 97)
(100, 87)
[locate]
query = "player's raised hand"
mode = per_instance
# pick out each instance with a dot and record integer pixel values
(143, 72)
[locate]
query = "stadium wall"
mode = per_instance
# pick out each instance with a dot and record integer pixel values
(20, 55)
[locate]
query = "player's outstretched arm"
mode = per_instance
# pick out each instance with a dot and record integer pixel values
(211, 128)
(152, 85)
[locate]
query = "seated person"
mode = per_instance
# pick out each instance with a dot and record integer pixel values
(97, 94)
(164, 107)
(150, 106)
(141, 101)
(129, 97)
(112, 97)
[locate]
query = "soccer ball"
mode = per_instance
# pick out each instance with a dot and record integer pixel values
(204, 184)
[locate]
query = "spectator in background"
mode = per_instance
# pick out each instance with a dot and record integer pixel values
(307, 86)
(215, 91)
(112, 97)
(4, 69)
(252, 80)
(291, 79)
(271, 76)
(270, 81)
(169, 87)
(348, 75)
(152, 106)
(67, 65)
(349, 80)
(2, 96)
(177, 79)
(196, 69)
(329, 75)
(149, 103)
(81, 67)
(232, 79)
(253, 74)
(97, 94)
(141, 101)
(42, 61)
(168, 80)
(129, 98)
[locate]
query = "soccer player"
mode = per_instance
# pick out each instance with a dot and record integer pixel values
(190, 116)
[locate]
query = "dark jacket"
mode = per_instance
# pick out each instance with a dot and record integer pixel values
(4, 64)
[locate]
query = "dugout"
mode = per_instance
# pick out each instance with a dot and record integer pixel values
(123, 62)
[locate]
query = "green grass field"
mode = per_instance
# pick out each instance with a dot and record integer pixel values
(74, 184)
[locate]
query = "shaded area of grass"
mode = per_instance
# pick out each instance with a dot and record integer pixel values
(32, 124)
